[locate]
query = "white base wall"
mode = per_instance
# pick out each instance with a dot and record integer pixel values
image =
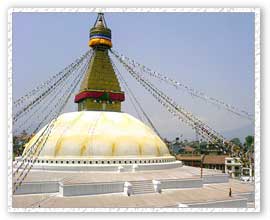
(161, 166)
(76, 167)
(37, 188)
(107, 167)
(181, 183)
(91, 189)
(222, 178)
(84, 161)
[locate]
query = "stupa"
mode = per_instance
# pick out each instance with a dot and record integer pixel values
(98, 150)
(99, 136)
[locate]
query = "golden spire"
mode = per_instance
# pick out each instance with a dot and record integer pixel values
(100, 89)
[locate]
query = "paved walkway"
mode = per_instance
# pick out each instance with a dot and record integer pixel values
(168, 198)
(88, 177)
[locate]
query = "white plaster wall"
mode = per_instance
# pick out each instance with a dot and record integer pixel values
(91, 189)
(34, 188)
(180, 183)
(105, 167)
(76, 167)
(223, 178)
(160, 166)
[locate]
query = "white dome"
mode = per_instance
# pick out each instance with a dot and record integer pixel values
(96, 134)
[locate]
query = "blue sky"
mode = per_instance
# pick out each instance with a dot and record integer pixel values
(212, 52)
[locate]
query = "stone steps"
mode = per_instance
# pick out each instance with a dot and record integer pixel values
(142, 187)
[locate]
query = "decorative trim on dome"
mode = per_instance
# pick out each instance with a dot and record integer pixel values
(124, 164)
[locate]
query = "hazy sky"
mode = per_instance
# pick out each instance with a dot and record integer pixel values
(211, 52)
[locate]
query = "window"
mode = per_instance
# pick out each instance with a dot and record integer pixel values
(79, 162)
(62, 161)
(84, 162)
(66, 161)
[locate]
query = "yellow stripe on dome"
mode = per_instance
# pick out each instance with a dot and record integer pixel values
(58, 145)
(158, 150)
(113, 149)
(97, 41)
(83, 150)
(140, 150)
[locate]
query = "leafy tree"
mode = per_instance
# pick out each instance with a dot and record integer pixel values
(18, 143)
(203, 146)
(249, 143)
(248, 150)
(237, 142)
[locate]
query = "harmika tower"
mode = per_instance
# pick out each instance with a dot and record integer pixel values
(100, 89)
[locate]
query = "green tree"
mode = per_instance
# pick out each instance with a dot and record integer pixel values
(203, 147)
(18, 143)
(248, 151)
(237, 142)
(249, 143)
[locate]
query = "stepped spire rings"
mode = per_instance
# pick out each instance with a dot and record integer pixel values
(100, 34)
